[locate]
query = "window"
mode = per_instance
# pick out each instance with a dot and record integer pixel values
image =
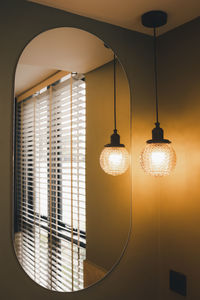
(50, 200)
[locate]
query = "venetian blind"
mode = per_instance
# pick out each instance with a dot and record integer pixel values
(50, 233)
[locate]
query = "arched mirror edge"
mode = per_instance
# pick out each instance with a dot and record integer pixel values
(130, 169)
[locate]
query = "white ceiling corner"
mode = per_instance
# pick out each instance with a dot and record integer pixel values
(59, 49)
(127, 13)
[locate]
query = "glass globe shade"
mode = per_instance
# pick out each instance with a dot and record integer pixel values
(158, 159)
(114, 160)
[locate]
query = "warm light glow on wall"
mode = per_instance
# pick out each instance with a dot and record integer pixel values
(158, 159)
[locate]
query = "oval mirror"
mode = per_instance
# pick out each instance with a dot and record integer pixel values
(71, 219)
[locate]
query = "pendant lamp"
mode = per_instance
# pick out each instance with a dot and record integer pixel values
(158, 157)
(114, 158)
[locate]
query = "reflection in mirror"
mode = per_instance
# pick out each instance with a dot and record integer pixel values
(71, 219)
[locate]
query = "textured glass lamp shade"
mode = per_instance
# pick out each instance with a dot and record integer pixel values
(114, 160)
(158, 159)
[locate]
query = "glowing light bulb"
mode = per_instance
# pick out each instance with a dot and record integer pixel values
(114, 160)
(158, 159)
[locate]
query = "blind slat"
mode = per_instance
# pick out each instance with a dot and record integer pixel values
(50, 240)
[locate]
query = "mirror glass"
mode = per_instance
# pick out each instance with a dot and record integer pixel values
(71, 219)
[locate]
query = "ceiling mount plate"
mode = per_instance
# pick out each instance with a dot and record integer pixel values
(154, 18)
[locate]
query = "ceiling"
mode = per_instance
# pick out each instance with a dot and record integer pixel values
(59, 49)
(127, 13)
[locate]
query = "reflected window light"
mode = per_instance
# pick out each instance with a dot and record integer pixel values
(50, 239)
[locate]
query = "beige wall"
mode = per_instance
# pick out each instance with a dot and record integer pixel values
(179, 89)
(135, 277)
(158, 242)
(108, 197)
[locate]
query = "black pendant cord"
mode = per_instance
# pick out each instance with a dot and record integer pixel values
(155, 19)
(115, 137)
(155, 74)
(115, 119)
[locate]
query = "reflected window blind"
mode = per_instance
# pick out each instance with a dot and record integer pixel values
(50, 233)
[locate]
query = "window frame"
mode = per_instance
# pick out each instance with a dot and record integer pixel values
(56, 236)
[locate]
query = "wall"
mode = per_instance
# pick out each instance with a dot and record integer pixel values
(179, 90)
(108, 197)
(135, 277)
